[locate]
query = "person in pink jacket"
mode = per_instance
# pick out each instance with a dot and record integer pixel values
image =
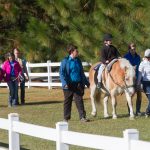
(12, 70)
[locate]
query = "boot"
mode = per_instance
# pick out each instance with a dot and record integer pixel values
(99, 85)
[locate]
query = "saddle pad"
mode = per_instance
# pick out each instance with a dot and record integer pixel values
(97, 67)
(109, 66)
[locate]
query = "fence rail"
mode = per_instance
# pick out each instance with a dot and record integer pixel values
(49, 74)
(64, 138)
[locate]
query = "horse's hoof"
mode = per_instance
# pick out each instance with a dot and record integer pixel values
(114, 117)
(131, 118)
(93, 114)
(106, 116)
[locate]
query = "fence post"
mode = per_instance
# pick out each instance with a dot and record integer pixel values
(49, 70)
(14, 143)
(29, 71)
(130, 134)
(61, 126)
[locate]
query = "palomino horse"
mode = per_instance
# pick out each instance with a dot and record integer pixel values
(119, 79)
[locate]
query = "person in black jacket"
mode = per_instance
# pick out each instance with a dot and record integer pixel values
(108, 53)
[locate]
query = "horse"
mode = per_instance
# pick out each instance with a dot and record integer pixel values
(120, 79)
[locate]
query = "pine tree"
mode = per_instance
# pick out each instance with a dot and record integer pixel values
(43, 28)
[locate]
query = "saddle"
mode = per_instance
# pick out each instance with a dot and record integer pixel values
(108, 66)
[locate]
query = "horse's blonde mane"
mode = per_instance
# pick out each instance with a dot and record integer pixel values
(125, 64)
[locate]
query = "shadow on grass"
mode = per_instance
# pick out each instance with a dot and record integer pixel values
(3, 105)
(118, 116)
(4, 145)
(43, 102)
(135, 116)
(123, 116)
(36, 103)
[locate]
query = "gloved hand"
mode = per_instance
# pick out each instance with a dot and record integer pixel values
(66, 87)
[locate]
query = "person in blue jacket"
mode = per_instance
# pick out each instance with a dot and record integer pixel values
(135, 60)
(73, 82)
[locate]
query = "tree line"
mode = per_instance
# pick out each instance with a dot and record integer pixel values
(41, 29)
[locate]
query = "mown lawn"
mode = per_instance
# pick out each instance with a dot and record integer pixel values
(45, 107)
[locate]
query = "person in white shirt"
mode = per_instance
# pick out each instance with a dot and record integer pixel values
(144, 78)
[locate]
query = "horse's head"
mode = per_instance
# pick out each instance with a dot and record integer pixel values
(129, 76)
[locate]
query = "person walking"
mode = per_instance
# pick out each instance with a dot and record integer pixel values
(135, 60)
(108, 53)
(144, 78)
(73, 81)
(24, 74)
(11, 71)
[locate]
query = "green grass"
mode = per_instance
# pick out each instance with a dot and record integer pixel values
(45, 107)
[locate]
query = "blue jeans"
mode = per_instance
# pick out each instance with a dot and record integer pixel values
(13, 93)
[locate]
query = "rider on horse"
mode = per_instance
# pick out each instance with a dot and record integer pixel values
(108, 53)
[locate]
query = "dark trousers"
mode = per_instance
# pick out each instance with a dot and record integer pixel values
(148, 106)
(22, 92)
(13, 93)
(75, 91)
(146, 88)
(138, 101)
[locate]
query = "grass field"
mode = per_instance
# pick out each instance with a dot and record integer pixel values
(45, 107)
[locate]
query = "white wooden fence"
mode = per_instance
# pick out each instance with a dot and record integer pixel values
(64, 138)
(49, 75)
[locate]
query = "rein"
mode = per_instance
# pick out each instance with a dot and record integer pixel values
(122, 87)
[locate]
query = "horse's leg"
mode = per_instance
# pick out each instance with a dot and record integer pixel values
(106, 106)
(129, 100)
(92, 96)
(114, 104)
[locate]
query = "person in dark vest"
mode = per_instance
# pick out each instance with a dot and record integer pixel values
(73, 81)
(135, 60)
(108, 53)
